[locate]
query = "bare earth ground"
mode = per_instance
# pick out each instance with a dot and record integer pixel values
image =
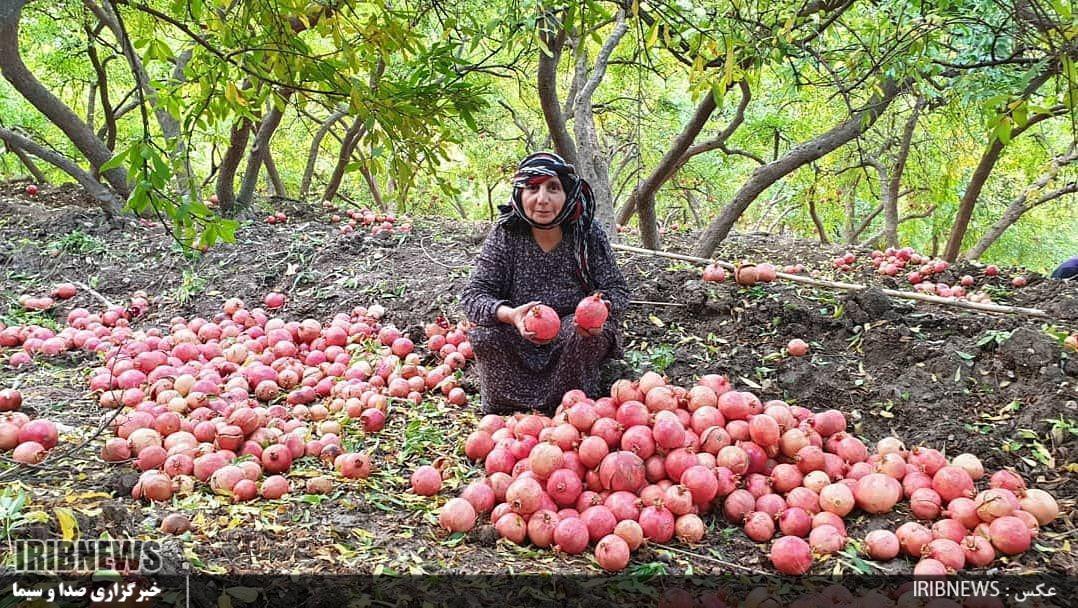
(998, 386)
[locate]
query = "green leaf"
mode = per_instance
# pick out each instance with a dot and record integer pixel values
(246, 595)
(652, 35)
(1003, 131)
(117, 160)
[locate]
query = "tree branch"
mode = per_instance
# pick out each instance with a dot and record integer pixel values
(553, 35)
(109, 202)
(601, 60)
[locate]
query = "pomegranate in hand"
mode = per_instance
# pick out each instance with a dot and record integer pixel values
(542, 321)
(591, 312)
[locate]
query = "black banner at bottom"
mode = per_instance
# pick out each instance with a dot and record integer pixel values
(338, 591)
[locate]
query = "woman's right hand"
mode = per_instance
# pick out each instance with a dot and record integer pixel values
(515, 316)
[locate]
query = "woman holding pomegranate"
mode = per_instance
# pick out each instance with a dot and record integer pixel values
(539, 328)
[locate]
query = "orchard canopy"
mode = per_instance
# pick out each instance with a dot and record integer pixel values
(947, 126)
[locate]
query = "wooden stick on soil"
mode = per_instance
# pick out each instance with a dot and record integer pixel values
(650, 303)
(908, 295)
(93, 293)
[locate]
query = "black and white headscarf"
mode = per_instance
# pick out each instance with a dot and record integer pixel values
(576, 215)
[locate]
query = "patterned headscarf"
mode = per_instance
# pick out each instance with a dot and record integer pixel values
(576, 214)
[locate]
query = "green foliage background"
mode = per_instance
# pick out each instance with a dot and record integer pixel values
(459, 153)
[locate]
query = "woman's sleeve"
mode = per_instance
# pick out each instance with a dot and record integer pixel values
(607, 275)
(488, 285)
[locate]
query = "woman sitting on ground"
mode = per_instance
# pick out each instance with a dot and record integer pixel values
(543, 249)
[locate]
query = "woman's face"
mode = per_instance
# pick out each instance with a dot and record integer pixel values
(543, 201)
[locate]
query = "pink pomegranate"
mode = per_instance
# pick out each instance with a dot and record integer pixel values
(457, 515)
(542, 321)
(355, 465)
(622, 471)
(276, 459)
(275, 487)
(29, 452)
(791, 555)
(426, 481)
(591, 312)
(40, 431)
(571, 536)
(877, 493)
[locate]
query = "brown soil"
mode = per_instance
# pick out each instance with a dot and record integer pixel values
(994, 385)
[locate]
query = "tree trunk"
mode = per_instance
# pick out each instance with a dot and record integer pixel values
(27, 162)
(106, 105)
(980, 176)
(348, 145)
(851, 210)
(865, 223)
(316, 144)
(259, 149)
(372, 184)
(274, 176)
(684, 143)
(170, 127)
(594, 166)
(798, 156)
(1019, 205)
(15, 72)
(816, 220)
(969, 198)
(402, 197)
(106, 198)
(351, 139)
(690, 202)
(226, 173)
(547, 87)
(91, 105)
(643, 198)
(890, 189)
(585, 152)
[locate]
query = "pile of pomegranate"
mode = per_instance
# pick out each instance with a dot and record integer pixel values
(745, 275)
(449, 343)
(647, 461)
(28, 439)
(236, 399)
(919, 269)
(377, 222)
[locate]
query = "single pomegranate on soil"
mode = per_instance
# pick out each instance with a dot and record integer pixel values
(791, 555)
(175, 523)
(797, 347)
(612, 553)
(457, 515)
(714, 273)
(426, 481)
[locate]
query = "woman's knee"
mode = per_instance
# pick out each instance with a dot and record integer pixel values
(488, 339)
